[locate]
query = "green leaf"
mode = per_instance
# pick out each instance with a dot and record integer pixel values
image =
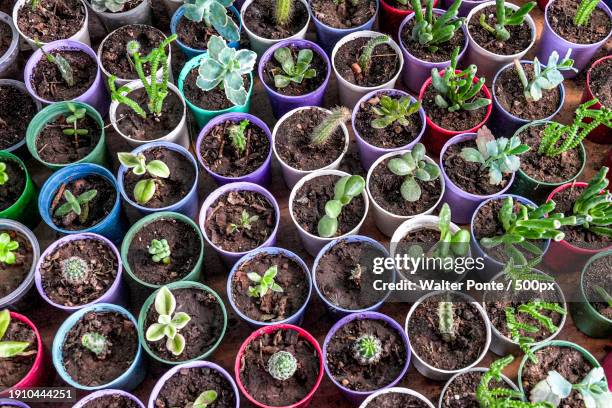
(354, 186)
(327, 227)
(87, 196)
(158, 168)
(470, 154)
(333, 208)
(400, 167)
(10, 349)
(176, 345)
(144, 191)
(129, 160)
(410, 190)
(206, 398)
(5, 320)
(254, 277)
(180, 320)
(164, 301)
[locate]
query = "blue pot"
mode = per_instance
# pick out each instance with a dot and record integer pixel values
(112, 227)
(296, 318)
(188, 205)
(127, 381)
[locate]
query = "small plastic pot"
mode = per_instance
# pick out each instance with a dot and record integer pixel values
(396, 390)
(262, 175)
(508, 382)
(102, 393)
(13, 403)
(465, 7)
(179, 369)
(542, 4)
(187, 205)
(8, 60)
(335, 310)
(368, 153)
(356, 397)
(273, 329)
(111, 227)
(462, 203)
(350, 93)
(230, 258)
(127, 381)
(581, 53)
(391, 17)
(313, 243)
(601, 134)
(607, 366)
(19, 147)
(297, 317)
(141, 14)
(291, 175)
(282, 104)
(203, 116)
(24, 209)
(48, 115)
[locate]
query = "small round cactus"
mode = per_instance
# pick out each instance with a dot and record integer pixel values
(94, 342)
(282, 365)
(75, 269)
(367, 349)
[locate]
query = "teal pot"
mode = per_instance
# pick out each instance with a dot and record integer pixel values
(24, 209)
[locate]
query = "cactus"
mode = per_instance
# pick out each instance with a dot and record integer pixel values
(323, 131)
(283, 11)
(365, 58)
(282, 365)
(75, 270)
(446, 323)
(367, 349)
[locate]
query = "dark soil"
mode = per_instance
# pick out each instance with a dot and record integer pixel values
(385, 189)
(51, 20)
(308, 85)
(196, 34)
(385, 63)
(12, 370)
(348, 371)
(309, 205)
(259, 18)
(100, 273)
(6, 37)
(509, 92)
(293, 145)
(17, 109)
(222, 158)
(53, 146)
(273, 306)
(459, 120)
(168, 190)
(111, 401)
(91, 213)
(262, 386)
(185, 247)
(226, 212)
(49, 84)
(599, 273)
(561, 15)
(12, 189)
(202, 331)
(213, 100)
(407, 6)
(345, 14)
(187, 384)
(599, 82)
(11, 276)
(520, 35)
(396, 399)
(421, 52)
(461, 393)
(92, 370)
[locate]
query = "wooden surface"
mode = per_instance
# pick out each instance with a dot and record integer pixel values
(48, 319)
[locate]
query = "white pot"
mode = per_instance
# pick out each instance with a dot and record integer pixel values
(82, 35)
(489, 63)
(386, 221)
(261, 44)
(291, 175)
(505, 379)
(313, 243)
(180, 134)
(396, 390)
(140, 14)
(438, 374)
(350, 93)
(8, 60)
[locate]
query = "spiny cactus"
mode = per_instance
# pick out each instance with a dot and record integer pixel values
(365, 58)
(367, 349)
(283, 11)
(323, 131)
(446, 321)
(282, 365)
(75, 270)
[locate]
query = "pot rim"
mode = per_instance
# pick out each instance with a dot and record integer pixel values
(100, 393)
(587, 87)
(28, 185)
(5, 18)
(602, 5)
(588, 304)
(397, 390)
(247, 3)
(505, 379)
(40, 350)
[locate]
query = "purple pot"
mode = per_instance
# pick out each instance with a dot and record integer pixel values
(462, 203)
(115, 293)
(230, 258)
(465, 7)
(416, 71)
(581, 53)
(81, 403)
(357, 397)
(369, 153)
(14, 403)
(95, 96)
(260, 176)
(282, 104)
(195, 364)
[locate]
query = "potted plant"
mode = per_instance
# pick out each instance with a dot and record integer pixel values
(17, 108)
(587, 26)
(65, 133)
(319, 142)
(104, 398)
(212, 85)
(198, 382)
(269, 286)
(363, 62)
(396, 395)
(13, 403)
(596, 79)
(279, 366)
(98, 347)
(294, 73)
(393, 12)
(182, 322)
(461, 389)
(270, 21)
(98, 213)
(401, 185)
(344, 272)
(236, 147)
(335, 19)
(17, 191)
(327, 204)
(9, 50)
(119, 13)
(237, 218)
(159, 176)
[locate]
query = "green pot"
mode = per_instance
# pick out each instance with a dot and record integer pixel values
(585, 316)
(150, 300)
(202, 116)
(47, 115)
(25, 209)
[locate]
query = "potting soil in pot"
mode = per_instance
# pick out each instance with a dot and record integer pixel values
(11, 276)
(561, 19)
(212, 100)
(343, 14)
(113, 400)
(444, 51)
(53, 146)
(259, 18)
(187, 384)
(459, 120)
(273, 68)
(599, 273)
(385, 63)
(196, 34)
(519, 40)
(6, 37)
(600, 82)
(16, 111)
(14, 369)
(13, 188)
(49, 84)
(396, 399)
(51, 20)
(461, 393)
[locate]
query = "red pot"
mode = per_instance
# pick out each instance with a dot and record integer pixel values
(608, 164)
(542, 4)
(601, 134)
(607, 366)
(391, 18)
(436, 136)
(271, 329)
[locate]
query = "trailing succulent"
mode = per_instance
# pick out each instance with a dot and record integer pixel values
(328, 126)
(7, 249)
(584, 11)
(293, 71)
(432, 31)
(364, 62)
(367, 349)
(505, 17)
(168, 323)
(544, 78)
(4, 177)
(214, 13)
(390, 110)
(102, 6)
(160, 251)
(264, 283)
(78, 205)
(346, 188)
(145, 189)
(555, 388)
(282, 365)
(413, 167)
(593, 208)
(10, 348)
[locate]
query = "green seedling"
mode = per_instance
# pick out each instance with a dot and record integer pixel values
(555, 388)
(77, 205)
(7, 249)
(168, 323)
(584, 11)
(205, 399)
(4, 177)
(246, 221)
(145, 189)
(414, 168)
(390, 110)
(61, 63)
(282, 365)
(505, 17)
(95, 342)
(293, 71)
(432, 31)
(9, 348)
(215, 14)
(367, 349)
(544, 78)
(160, 251)
(264, 283)
(75, 115)
(346, 188)
(237, 136)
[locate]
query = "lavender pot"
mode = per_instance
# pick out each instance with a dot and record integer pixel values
(230, 258)
(356, 397)
(282, 104)
(102, 393)
(96, 95)
(465, 7)
(13, 403)
(262, 175)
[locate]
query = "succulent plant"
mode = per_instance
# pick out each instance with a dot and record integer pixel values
(145, 189)
(7, 249)
(293, 71)
(413, 167)
(328, 126)
(593, 208)
(9, 348)
(365, 56)
(205, 399)
(160, 251)
(246, 221)
(114, 6)
(367, 349)
(75, 270)
(346, 188)
(282, 365)
(505, 17)
(75, 115)
(168, 323)
(214, 13)
(95, 342)
(4, 177)
(390, 110)
(236, 134)
(446, 321)
(432, 31)
(61, 63)
(544, 78)
(584, 11)
(555, 388)
(78, 205)
(264, 283)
